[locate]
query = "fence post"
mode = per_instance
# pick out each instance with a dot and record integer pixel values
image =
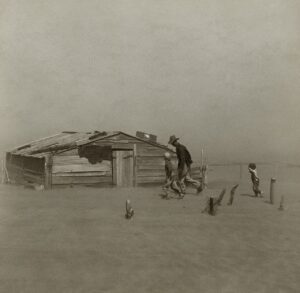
(272, 188)
(211, 209)
(281, 206)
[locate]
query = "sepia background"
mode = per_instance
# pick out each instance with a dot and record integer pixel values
(221, 75)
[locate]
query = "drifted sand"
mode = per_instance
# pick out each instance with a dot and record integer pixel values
(77, 240)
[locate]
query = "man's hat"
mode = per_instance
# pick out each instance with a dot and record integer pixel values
(172, 139)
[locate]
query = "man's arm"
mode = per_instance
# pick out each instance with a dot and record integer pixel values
(188, 158)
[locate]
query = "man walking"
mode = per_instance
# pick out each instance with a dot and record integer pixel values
(184, 165)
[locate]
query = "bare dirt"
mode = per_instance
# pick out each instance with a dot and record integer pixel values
(78, 240)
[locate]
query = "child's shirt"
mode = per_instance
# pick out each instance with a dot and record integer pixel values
(254, 176)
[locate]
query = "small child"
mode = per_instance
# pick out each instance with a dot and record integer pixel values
(171, 181)
(254, 179)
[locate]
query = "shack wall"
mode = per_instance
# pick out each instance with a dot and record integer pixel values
(148, 159)
(23, 169)
(149, 165)
(69, 169)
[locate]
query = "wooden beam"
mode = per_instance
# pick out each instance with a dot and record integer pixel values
(73, 180)
(134, 165)
(48, 171)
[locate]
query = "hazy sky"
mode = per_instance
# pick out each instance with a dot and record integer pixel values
(222, 75)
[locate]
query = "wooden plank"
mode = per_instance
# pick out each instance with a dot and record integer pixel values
(14, 167)
(151, 180)
(60, 139)
(123, 167)
(150, 167)
(119, 168)
(114, 168)
(83, 174)
(81, 168)
(122, 146)
(80, 179)
(42, 139)
(151, 173)
(48, 172)
(151, 155)
(150, 151)
(128, 168)
(134, 165)
(33, 178)
(76, 160)
(73, 152)
(150, 161)
(122, 136)
(68, 160)
(33, 172)
(113, 140)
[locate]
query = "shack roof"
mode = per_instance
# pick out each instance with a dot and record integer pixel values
(69, 140)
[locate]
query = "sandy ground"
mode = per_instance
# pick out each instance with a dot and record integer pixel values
(77, 240)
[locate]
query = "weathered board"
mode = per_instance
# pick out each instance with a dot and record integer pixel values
(73, 170)
(123, 168)
(100, 167)
(159, 179)
(73, 180)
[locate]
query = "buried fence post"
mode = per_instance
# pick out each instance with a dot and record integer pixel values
(211, 210)
(232, 192)
(129, 210)
(281, 206)
(221, 195)
(272, 188)
(211, 206)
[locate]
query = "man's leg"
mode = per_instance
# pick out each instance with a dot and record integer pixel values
(197, 184)
(194, 182)
(181, 179)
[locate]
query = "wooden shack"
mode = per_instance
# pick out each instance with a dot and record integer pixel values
(90, 159)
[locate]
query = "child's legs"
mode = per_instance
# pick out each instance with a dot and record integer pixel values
(168, 183)
(256, 188)
(175, 187)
